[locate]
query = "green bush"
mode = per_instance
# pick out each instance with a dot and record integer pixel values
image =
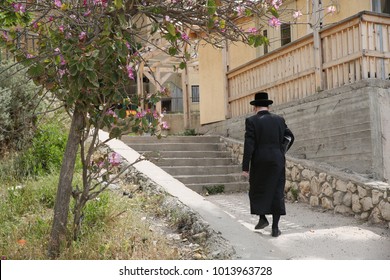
(18, 103)
(45, 153)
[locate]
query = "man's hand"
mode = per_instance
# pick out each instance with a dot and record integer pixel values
(245, 174)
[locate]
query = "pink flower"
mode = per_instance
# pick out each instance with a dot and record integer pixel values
(115, 159)
(130, 72)
(185, 37)
(252, 30)
(164, 125)
(35, 25)
(276, 4)
(58, 3)
(110, 112)
(19, 7)
(128, 45)
(87, 13)
(297, 14)
(331, 9)
(102, 3)
(274, 22)
(240, 10)
(5, 36)
(28, 55)
(82, 36)
(61, 72)
(61, 28)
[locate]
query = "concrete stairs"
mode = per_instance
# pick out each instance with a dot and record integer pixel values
(202, 163)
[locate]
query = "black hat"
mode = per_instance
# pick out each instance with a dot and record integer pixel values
(261, 99)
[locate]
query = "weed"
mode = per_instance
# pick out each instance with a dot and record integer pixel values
(216, 189)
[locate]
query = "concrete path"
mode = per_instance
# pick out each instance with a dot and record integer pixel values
(306, 233)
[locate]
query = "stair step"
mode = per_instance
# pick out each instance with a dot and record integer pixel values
(167, 162)
(210, 179)
(199, 162)
(177, 146)
(129, 140)
(201, 170)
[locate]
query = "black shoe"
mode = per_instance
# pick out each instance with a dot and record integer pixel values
(261, 224)
(276, 232)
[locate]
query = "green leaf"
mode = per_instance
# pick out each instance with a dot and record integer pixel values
(171, 29)
(115, 132)
(93, 78)
(274, 12)
(36, 70)
(172, 51)
(182, 65)
(155, 26)
(118, 4)
(211, 7)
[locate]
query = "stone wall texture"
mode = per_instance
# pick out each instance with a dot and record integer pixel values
(331, 188)
(348, 127)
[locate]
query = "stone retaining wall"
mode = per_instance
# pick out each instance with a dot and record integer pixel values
(325, 186)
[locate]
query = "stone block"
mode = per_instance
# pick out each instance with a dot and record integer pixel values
(384, 208)
(351, 187)
(347, 199)
(295, 174)
(375, 216)
(308, 174)
(362, 191)
(304, 188)
(322, 177)
(342, 209)
(315, 186)
(314, 201)
(366, 203)
(341, 185)
(327, 189)
(376, 196)
(356, 206)
(326, 203)
(338, 198)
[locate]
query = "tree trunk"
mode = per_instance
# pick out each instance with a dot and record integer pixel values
(64, 191)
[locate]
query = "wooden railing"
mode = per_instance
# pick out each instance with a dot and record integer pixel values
(354, 49)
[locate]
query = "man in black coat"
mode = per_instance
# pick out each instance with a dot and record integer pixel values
(264, 162)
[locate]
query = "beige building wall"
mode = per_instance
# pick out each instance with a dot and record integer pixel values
(211, 84)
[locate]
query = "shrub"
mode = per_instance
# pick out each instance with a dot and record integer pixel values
(18, 101)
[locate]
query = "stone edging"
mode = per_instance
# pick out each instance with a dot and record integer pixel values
(322, 185)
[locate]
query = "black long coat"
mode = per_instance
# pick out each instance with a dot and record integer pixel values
(265, 161)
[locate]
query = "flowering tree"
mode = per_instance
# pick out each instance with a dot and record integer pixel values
(87, 53)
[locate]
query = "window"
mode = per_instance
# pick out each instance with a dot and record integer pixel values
(195, 94)
(285, 33)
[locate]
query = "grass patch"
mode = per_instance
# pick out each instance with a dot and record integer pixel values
(114, 226)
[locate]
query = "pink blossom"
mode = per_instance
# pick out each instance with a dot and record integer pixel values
(185, 37)
(35, 25)
(274, 22)
(87, 13)
(276, 4)
(140, 115)
(115, 159)
(82, 36)
(297, 14)
(19, 7)
(103, 3)
(128, 45)
(130, 72)
(57, 51)
(5, 35)
(28, 55)
(240, 10)
(110, 112)
(156, 115)
(164, 125)
(61, 72)
(331, 9)
(167, 18)
(61, 28)
(58, 3)
(252, 30)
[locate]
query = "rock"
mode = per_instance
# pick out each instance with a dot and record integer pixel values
(308, 174)
(314, 201)
(338, 198)
(315, 186)
(295, 175)
(376, 196)
(342, 209)
(302, 198)
(362, 192)
(200, 236)
(304, 188)
(366, 203)
(375, 216)
(341, 186)
(197, 256)
(351, 187)
(364, 215)
(327, 189)
(347, 199)
(322, 177)
(384, 208)
(326, 203)
(356, 206)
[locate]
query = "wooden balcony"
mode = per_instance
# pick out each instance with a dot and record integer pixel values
(354, 49)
